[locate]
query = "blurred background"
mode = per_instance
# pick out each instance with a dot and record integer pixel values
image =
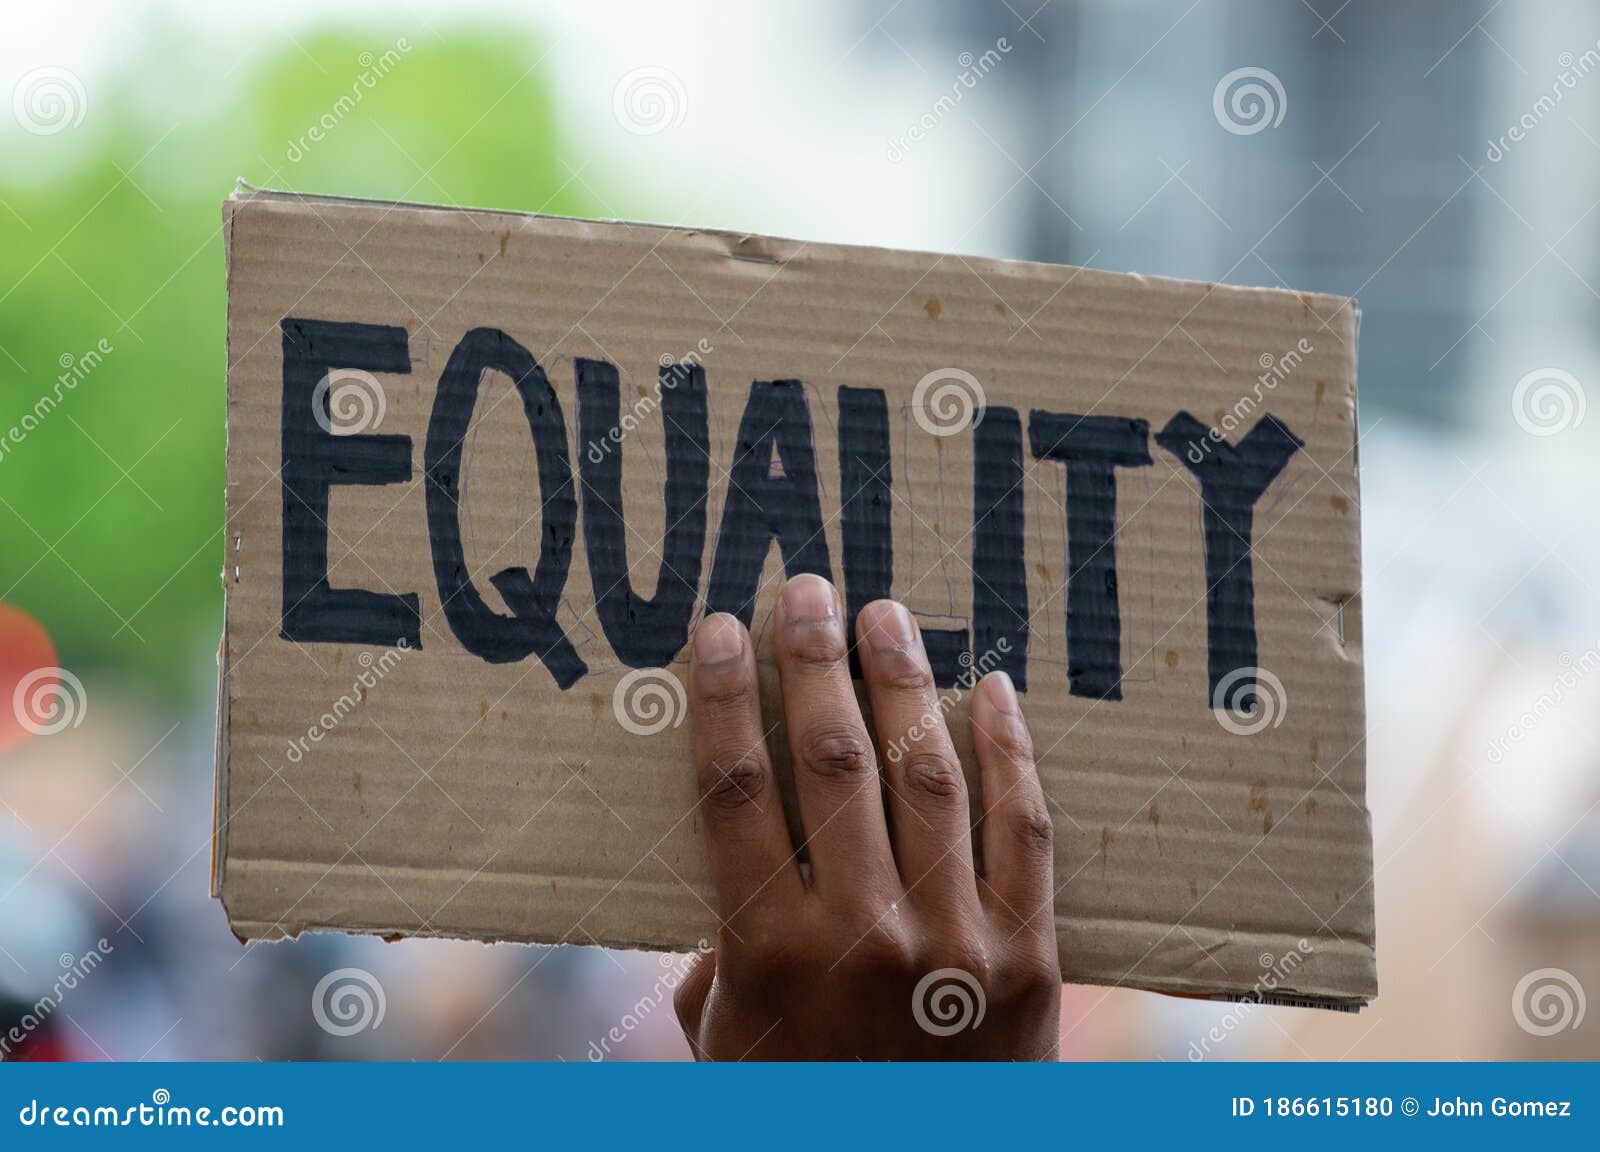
(1440, 161)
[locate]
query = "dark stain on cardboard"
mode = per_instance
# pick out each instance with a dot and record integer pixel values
(1155, 823)
(1105, 851)
(1258, 803)
(1172, 658)
(933, 308)
(1339, 503)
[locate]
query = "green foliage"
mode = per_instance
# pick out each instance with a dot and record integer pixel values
(111, 504)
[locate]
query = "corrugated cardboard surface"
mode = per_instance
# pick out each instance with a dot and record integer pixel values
(457, 797)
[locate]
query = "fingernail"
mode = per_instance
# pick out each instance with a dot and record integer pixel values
(806, 598)
(887, 626)
(1002, 692)
(718, 639)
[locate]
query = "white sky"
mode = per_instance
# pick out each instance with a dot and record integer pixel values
(751, 152)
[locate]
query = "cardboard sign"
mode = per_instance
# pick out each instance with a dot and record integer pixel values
(486, 471)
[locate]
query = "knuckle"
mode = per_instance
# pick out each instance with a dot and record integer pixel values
(836, 751)
(719, 692)
(1031, 827)
(1034, 974)
(816, 646)
(768, 951)
(736, 782)
(932, 775)
(764, 961)
(903, 674)
(962, 956)
(883, 951)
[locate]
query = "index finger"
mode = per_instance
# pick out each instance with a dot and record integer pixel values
(752, 861)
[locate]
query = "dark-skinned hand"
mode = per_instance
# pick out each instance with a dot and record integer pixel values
(888, 944)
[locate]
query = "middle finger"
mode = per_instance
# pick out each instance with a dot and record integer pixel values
(927, 792)
(835, 770)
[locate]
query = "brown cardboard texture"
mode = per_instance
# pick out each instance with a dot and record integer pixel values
(487, 470)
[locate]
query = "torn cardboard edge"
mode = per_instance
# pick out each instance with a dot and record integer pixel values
(244, 193)
(247, 927)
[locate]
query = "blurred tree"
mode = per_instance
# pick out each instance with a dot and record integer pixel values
(112, 302)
